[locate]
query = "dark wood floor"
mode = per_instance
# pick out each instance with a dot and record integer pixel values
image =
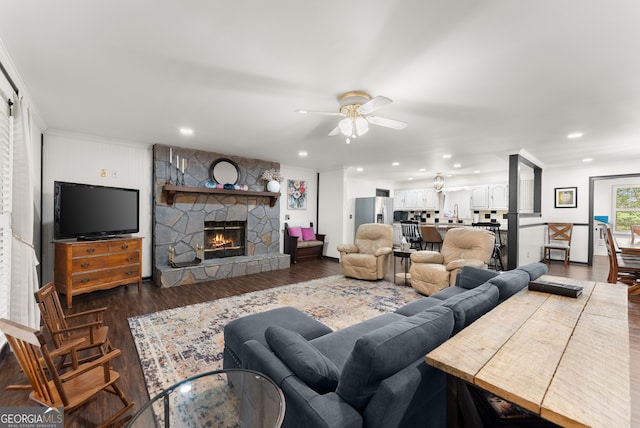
(125, 302)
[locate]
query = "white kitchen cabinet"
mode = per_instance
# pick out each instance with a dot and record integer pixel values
(430, 200)
(398, 200)
(480, 198)
(499, 197)
(412, 199)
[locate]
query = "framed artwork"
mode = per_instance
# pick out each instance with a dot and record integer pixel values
(297, 194)
(566, 197)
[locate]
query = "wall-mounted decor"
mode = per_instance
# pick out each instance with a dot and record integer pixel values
(297, 194)
(566, 197)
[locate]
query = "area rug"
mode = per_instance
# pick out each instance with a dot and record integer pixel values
(179, 343)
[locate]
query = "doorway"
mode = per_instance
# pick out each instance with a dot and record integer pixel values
(601, 205)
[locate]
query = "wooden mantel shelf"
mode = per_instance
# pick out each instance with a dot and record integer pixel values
(172, 190)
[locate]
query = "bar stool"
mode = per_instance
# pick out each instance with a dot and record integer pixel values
(496, 257)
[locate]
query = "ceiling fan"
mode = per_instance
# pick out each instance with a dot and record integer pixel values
(356, 108)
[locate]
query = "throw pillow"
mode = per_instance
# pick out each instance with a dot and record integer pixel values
(308, 234)
(304, 360)
(296, 231)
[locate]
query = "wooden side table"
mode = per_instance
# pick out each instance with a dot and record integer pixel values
(405, 256)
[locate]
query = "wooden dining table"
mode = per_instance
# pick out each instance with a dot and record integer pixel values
(629, 246)
(564, 359)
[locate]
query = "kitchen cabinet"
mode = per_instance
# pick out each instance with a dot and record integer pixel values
(414, 199)
(499, 196)
(480, 198)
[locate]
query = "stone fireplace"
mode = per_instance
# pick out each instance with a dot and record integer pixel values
(224, 239)
(191, 219)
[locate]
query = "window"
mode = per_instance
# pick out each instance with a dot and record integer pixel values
(626, 207)
(6, 162)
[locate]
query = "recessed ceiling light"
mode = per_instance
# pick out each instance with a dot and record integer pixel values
(302, 111)
(476, 172)
(410, 178)
(302, 154)
(422, 169)
(359, 169)
(587, 160)
(449, 175)
(447, 156)
(575, 135)
(456, 165)
(186, 131)
(395, 163)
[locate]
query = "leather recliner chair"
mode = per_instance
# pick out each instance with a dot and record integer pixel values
(431, 271)
(368, 257)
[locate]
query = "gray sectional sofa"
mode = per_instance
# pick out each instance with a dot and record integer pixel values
(372, 374)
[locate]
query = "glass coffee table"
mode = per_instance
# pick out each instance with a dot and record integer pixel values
(220, 398)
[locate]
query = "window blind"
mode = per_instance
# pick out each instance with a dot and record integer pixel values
(6, 174)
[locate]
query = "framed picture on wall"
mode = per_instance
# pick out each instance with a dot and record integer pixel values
(296, 194)
(566, 197)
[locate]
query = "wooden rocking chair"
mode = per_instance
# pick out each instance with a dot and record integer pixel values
(88, 326)
(74, 387)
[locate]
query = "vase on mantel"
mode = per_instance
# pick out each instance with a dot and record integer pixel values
(273, 186)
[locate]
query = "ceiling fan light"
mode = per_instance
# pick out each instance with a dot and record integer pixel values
(346, 126)
(361, 125)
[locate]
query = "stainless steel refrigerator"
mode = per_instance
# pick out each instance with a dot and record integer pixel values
(373, 210)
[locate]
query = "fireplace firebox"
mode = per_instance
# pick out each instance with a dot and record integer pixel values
(224, 239)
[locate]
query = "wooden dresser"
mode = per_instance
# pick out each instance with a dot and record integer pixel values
(86, 266)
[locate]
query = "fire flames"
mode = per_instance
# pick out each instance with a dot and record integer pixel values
(219, 241)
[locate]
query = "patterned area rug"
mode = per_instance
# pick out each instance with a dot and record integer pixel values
(179, 343)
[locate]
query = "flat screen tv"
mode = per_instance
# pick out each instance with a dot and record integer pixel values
(86, 211)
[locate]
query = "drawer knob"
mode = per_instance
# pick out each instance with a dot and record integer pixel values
(91, 250)
(85, 265)
(85, 280)
(129, 272)
(130, 258)
(124, 246)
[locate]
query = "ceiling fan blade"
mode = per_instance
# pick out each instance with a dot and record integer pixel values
(335, 131)
(387, 123)
(373, 104)
(324, 113)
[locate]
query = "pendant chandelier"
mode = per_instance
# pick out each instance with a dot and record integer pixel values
(438, 182)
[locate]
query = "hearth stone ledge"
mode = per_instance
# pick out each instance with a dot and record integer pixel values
(213, 269)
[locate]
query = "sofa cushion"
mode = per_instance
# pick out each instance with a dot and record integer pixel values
(510, 282)
(470, 277)
(472, 304)
(445, 293)
(535, 270)
(303, 359)
(419, 305)
(308, 234)
(386, 350)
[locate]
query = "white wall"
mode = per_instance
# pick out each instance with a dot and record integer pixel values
(80, 158)
(296, 217)
(332, 217)
(579, 177)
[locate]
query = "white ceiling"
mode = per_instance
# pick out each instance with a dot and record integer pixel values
(476, 79)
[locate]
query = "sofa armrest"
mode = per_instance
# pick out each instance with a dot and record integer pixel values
(260, 358)
(382, 251)
(348, 248)
(320, 236)
(426, 256)
(460, 263)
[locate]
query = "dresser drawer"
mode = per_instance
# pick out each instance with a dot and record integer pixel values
(97, 278)
(122, 246)
(86, 264)
(89, 249)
